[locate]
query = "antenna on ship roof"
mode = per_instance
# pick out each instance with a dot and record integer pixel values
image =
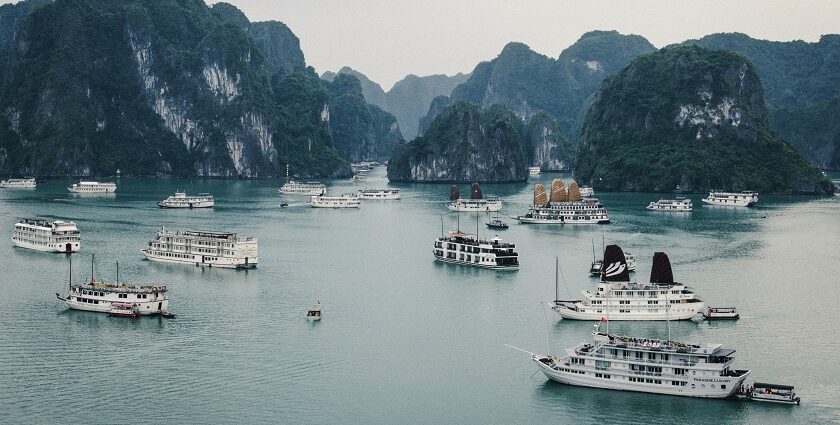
(70, 278)
(545, 322)
(441, 224)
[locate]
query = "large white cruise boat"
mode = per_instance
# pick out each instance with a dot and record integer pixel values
(380, 194)
(210, 249)
(181, 200)
(341, 201)
(117, 299)
(468, 250)
(476, 202)
(674, 205)
(563, 207)
(42, 235)
(732, 199)
(292, 187)
(646, 365)
(617, 298)
(18, 184)
(93, 187)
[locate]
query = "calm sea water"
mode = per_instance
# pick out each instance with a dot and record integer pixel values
(403, 339)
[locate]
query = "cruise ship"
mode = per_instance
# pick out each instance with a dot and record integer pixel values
(732, 199)
(93, 187)
(209, 249)
(117, 299)
(587, 192)
(42, 235)
(380, 194)
(617, 298)
(646, 365)
(674, 205)
(341, 201)
(468, 250)
(476, 202)
(534, 171)
(181, 200)
(563, 207)
(292, 187)
(18, 184)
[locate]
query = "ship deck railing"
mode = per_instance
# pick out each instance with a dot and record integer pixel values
(110, 287)
(675, 363)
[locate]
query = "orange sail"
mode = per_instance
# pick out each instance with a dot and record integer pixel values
(558, 191)
(574, 192)
(540, 197)
(453, 193)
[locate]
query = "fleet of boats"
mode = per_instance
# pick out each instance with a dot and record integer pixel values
(28, 183)
(43, 235)
(563, 206)
(181, 200)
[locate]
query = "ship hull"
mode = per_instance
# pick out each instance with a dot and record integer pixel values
(225, 263)
(477, 265)
(56, 247)
(146, 308)
(186, 205)
(687, 314)
(530, 220)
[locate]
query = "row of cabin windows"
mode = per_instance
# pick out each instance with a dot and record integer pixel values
(602, 375)
(139, 296)
(646, 380)
(563, 369)
(651, 294)
(633, 378)
(94, 293)
(87, 300)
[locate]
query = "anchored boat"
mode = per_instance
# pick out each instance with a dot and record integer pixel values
(42, 235)
(476, 202)
(18, 184)
(314, 313)
(771, 393)
(181, 200)
(563, 207)
(93, 187)
(673, 205)
(732, 199)
(209, 249)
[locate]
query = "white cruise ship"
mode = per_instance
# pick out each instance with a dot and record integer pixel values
(117, 299)
(466, 249)
(732, 199)
(181, 200)
(563, 207)
(534, 171)
(18, 184)
(93, 187)
(42, 235)
(587, 192)
(341, 201)
(210, 249)
(646, 365)
(476, 202)
(380, 194)
(617, 298)
(674, 205)
(292, 187)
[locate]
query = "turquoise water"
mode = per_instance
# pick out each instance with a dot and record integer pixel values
(404, 339)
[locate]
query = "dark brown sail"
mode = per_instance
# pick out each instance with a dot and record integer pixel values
(454, 195)
(661, 272)
(475, 191)
(614, 267)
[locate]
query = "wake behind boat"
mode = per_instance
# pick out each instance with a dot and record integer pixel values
(563, 207)
(182, 200)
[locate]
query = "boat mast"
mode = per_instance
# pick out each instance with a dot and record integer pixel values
(92, 256)
(668, 314)
(118, 272)
(441, 224)
(70, 277)
(545, 322)
(556, 279)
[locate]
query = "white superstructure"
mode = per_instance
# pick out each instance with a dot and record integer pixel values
(563, 207)
(646, 365)
(42, 235)
(210, 249)
(182, 200)
(93, 187)
(490, 203)
(466, 249)
(307, 189)
(116, 299)
(534, 171)
(617, 298)
(380, 194)
(587, 192)
(732, 199)
(18, 184)
(676, 205)
(341, 201)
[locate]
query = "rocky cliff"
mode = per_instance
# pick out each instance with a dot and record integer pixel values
(550, 149)
(691, 117)
(465, 144)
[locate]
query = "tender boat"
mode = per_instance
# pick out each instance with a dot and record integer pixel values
(645, 365)
(314, 313)
(42, 235)
(617, 298)
(534, 171)
(732, 199)
(771, 393)
(341, 201)
(563, 207)
(116, 299)
(476, 203)
(181, 200)
(676, 205)
(468, 250)
(292, 187)
(18, 184)
(726, 313)
(380, 194)
(207, 249)
(93, 187)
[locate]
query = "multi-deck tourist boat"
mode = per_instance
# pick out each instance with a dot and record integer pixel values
(341, 201)
(467, 249)
(534, 171)
(380, 194)
(42, 235)
(210, 249)
(292, 187)
(181, 200)
(677, 205)
(646, 365)
(772, 393)
(93, 187)
(587, 191)
(617, 298)
(476, 202)
(563, 207)
(116, 299)
(18, 184)
(732, 199)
